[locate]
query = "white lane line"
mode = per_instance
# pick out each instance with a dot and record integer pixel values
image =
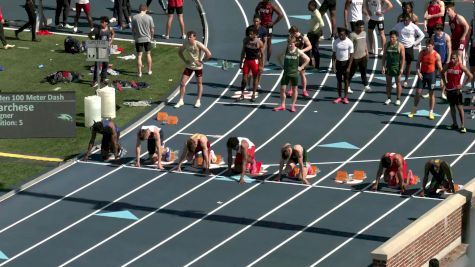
(255, 104)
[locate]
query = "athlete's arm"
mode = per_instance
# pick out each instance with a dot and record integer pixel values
(426, 177)
(205, 50)
(206, 158)
(420, 35)
(378, 177)
(137, 150)
(280, 15)
(445, 168)
(449, 48)
(115, 143)
(399, 162)
(345, 12)
(158, 148)
(443, 75)
(308, 45)
(388, 5)
(439, 62)
(90, 145)
(465, 25)
(301, 165)
(418, 65)
(261, 56)
(468, 75)
(402, 57)
(230, 158)
(182, 157)
(244, 147)
(305, 58)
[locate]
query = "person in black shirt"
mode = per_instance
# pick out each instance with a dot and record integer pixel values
(31, 11)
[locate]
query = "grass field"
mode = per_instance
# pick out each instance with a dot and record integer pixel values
(22, 73)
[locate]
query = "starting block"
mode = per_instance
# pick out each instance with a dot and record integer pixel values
(172, 120)
(162, 116)
(342, 177)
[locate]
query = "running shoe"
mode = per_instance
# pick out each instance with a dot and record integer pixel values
(67, 26)
(411, 115)
(367, 89)
(289, 92)
(279, 108)
(292, 108)
(345, 101)
(381, 53)
(388, 101)
(253, 98)
(183, 36)
(139, 74)
(425, 96)
(398, 102)
(112, 20)
(349, 90)
(75, 29)
(394, 85)
(431, 115)
(305, 93)
(164, 36)
(444, 96)
(8, 46)
(336, 101)
(405, 84)
(179, 103)
(463, 130)
(198, 103)
(452, 127)
(149, 72)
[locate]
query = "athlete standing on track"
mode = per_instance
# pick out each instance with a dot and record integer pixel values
(410, 36)
(304, 45)
(360, 57)
(245, 155)
(393, 167)
(252, 58)
(408, 9)
(315, 32)
(342, 59)
(393, 62)
(429, 59)
(443, 46)
(262, 35)
(291, 66)
(434, 13)
(330, 5)
(356, 11)
(265, 10)
(190, 53)
(460, 28)
(452, 75)
(376, 10)
(471, 57)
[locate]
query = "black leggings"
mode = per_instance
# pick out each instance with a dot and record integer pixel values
(62, 5)
(2, 35)
(314, 39)
(31, 22)
(362, 65)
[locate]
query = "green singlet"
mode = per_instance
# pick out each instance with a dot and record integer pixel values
(393, 66)
(291, 65)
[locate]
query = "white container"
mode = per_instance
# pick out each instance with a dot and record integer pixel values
(92, 110)
(107, 95)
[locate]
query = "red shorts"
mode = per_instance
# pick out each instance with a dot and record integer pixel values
(85, 7)
(250, 153)
(188, 72)
(251, 65)
(456, 45)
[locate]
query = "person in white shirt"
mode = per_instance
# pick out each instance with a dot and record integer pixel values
(342, 59)
(86, 6)
(245, 156)
(376, 10)
(410, 35)
(155, 145)
(356, 11)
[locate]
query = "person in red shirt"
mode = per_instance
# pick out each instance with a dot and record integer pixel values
(459, 26)
(2, 33)
(394, 168)
(433, 16)
(175, 6)
(452, 75)
(265, 10)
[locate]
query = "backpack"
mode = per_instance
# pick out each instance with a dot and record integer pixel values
(62, 77)
(72, 45)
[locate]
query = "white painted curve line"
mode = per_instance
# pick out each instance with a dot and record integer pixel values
(361, 231)
(464, 153)
(58, 200)
(82, 219)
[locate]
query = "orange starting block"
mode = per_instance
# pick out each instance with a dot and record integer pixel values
(359, 175)
(162, 116)
(341, 176)
(172, 120)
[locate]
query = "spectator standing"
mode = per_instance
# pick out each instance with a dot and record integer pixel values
(360, 57)
(342, 59)
(330, 5)
(62, 6)
(86, 6)
(315, 32)
(434, 14)
(143, 31)
(175, 6)
(2, 33)
(393, 62)
(265, 10)
(31, 12)
(376, 10)
(103, 33)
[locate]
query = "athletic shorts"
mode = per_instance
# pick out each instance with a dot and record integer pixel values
(171, 10)
(327, 5)
(106, 143)
(409, 53)
(85, 7)
(293, 80)
(140, 47)
(188, 72)
(251, 65)
(456, 45)
(427, 82)
(471, 59)
(341, 67)
(454, 97)
(250, 153)
(372, 24)
(353, 25)
(151, 143)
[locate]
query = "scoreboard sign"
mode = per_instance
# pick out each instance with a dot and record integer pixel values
(44, 114)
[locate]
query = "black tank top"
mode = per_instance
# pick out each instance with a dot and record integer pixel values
(251, 47)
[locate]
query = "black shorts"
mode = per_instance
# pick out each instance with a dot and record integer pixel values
(140, 47)
(471, 59)
(409, 53)
(427, 82)
(454, 97)
(171, 10)
(106, 143)
(372, 24)
(341, 67)
(327, 5)
(151, 147)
